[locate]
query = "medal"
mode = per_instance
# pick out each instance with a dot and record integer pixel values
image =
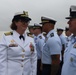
(31, 47)
(13, 44)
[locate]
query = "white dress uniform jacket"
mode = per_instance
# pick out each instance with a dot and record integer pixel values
(17, 58)
(69, 66)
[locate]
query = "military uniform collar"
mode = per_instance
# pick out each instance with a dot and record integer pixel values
(39, 35)
(73, 38)
(18, 33)
(51, 31)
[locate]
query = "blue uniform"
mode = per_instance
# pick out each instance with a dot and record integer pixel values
(63, 42)
(52, 46)
(69, 66)
(67, 40)
(39, 41)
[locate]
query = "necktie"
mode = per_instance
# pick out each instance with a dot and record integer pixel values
(21, 36)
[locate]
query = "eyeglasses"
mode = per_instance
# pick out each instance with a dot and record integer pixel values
(24, 22)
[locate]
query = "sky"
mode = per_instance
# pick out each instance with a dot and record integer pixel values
(55, 9)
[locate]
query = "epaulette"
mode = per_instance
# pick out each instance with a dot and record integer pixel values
(30, 35)
(40, 37)
(8, 33)
(52, 34)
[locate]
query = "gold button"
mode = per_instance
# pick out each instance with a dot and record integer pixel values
(22, 56)
(23, 50)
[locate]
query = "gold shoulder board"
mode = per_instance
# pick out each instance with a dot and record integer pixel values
(8, 33)
(30, 35)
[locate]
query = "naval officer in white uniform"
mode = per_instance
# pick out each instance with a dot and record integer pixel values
(17, 50)
(69, 66)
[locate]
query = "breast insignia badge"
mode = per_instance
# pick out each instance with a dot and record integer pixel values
(13, 44)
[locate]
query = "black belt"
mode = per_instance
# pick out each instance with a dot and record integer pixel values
(47, 65)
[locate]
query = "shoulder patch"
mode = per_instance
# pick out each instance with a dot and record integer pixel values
(8, 33)
(40, 37)
(52, 34)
